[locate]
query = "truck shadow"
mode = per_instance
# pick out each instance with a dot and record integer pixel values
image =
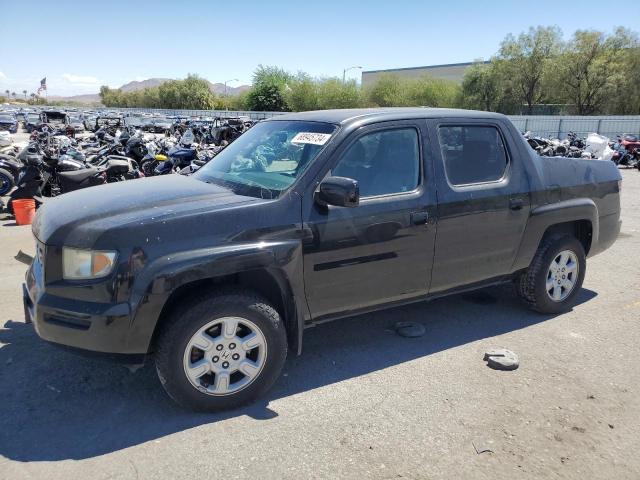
(58, 406)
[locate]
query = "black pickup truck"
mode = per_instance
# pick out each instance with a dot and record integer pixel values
(305, 218)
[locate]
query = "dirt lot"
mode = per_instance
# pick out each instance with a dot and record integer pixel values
(360, 402)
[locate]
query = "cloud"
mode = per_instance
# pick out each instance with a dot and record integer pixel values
(80, 79)
(3, 76)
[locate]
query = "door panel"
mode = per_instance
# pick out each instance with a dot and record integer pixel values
(479, 226)
(378, 252)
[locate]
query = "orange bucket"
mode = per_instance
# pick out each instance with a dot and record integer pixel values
(24, 210)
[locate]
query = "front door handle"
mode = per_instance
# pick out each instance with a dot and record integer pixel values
(516, 203)
(419, 218)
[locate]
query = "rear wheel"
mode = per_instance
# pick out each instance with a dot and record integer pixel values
(7, 182)
(554, 278)
(221, 351)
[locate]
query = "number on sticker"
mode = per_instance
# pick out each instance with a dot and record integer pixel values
(310, 137)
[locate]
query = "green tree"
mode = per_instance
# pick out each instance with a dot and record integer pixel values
(387, 91)
(334, 93)
(302, 94)
(527, 59)
(269, 89)
(481, 87)
(586, 69)
(427, 91)
(191, 93)
(623, 97)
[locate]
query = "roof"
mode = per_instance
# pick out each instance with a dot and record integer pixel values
(426, 67)
(395, 113)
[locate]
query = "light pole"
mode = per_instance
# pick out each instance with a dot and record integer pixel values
(225, 85)
(344, 72)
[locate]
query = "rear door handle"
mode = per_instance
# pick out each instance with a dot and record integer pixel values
(419, 218)
(516, 203)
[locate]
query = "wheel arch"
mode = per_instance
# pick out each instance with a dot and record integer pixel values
(576, 217)
(269, 283)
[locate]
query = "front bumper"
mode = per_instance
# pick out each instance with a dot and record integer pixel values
(91, 326)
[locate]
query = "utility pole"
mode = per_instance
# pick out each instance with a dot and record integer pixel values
(344, 72)
(225, 85)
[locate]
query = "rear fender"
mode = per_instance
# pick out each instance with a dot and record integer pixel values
(545, 216)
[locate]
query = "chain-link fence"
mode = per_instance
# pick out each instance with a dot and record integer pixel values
(197, 113)
(552, 126)
(541, 125)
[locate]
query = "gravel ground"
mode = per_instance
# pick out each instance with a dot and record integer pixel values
(361, 402)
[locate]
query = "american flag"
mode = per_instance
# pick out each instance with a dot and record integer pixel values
(43, 85)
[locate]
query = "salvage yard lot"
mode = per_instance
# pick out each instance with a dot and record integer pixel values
(361, 402)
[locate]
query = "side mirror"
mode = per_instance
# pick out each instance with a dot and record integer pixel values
(338, 191)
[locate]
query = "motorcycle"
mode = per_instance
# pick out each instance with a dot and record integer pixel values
(627, 151)
(30, 182)
(179, 156)
(9, 170)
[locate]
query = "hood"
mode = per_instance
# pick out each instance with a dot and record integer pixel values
(143, 207)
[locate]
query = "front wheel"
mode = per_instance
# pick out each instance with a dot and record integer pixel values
(221, 351)
(554, 278)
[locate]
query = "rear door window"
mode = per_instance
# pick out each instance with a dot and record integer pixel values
(472, 153)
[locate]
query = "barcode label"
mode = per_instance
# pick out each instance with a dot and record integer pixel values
(310, 137)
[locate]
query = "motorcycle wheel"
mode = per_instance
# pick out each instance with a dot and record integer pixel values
(148, 167)
(7, 182)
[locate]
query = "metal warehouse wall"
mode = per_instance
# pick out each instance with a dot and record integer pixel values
(451, 71)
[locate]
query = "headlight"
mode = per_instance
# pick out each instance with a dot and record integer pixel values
(86, 264)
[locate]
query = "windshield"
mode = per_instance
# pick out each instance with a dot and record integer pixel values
(268, 158)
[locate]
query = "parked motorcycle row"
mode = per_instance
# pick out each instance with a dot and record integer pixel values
(625, 151)
(54, 162)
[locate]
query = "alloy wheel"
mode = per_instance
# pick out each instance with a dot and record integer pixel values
(225, 356)
(562, 275)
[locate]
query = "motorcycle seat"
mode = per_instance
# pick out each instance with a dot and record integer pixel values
(79, 175)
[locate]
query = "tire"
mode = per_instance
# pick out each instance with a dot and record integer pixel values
(532, 285)
(148, 167)
(176, 354)
(7, 182)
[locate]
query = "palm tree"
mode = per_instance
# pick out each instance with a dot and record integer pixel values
(24, 92)
(13, 94)
(7, 92)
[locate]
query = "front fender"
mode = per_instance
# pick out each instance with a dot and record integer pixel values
(160, 278)
(545, 216)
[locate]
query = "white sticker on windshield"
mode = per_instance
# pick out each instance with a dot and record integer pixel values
(310, 137)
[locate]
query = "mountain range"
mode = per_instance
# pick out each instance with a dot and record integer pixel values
(217, 88)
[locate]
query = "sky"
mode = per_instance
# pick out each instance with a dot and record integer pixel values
(80, 45)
